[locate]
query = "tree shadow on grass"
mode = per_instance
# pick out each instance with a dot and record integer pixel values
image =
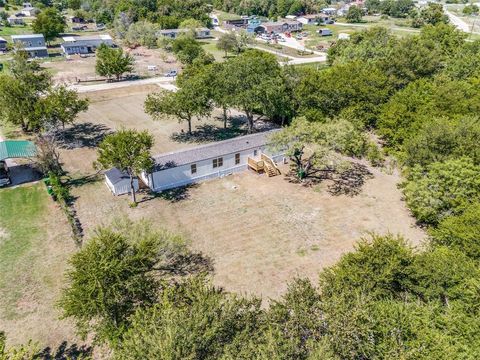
(84, 180)
(82, 135)
(171, 195)
(65, 352)
(351, 181)
(208, 132)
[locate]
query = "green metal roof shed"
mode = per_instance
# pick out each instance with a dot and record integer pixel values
(17, 149)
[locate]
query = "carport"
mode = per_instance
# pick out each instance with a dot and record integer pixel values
(19, 149)
(14, 149)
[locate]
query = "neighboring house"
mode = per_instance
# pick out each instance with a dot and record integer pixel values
(253, 25)
(211, 161)
(201, 33)
(33, 44)
(329, 11)
(15, 20)
(236, 23)
(29, 11)
(84, 44)
(77, 20)
(119, 182)
(324, 32)
(280, 26)
(314, 19)
(3, 44)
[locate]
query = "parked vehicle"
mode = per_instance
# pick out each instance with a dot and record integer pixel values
(171, 73)
(4, 174)
(80, 27)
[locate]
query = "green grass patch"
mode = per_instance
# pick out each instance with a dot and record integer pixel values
(22, 217)
(15, 30)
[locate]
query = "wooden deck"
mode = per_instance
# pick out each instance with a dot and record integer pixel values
(264, 164)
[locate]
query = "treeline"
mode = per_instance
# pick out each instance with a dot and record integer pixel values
(167, 14)
(271, 8)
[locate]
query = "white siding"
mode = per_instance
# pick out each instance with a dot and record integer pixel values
(121, 187)
(181, 175)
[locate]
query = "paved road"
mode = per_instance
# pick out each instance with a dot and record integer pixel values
(292, 60)
(164, 82)
(459, 23)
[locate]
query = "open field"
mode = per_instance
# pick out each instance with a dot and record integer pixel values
(112, 109)
(262, 232)
(35, 244)
(83, 68)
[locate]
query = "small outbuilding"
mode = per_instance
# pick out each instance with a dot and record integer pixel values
(119, 182)
(3, 44)
(324, 32)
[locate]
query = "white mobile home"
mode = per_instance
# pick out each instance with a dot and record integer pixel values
(210, 161)
(119, 182)
(84, 44)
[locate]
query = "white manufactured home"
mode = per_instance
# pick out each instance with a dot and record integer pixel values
(119, 182)
(214, 160)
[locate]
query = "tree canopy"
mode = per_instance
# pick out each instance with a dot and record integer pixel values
(113, 62)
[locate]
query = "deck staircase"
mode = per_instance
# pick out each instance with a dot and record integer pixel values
(264, 164)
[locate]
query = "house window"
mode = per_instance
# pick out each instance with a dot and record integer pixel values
(255, 152)
(237, 159)
(193, 168)
(218, 162)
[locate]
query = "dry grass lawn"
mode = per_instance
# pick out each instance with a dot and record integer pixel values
(262, 232)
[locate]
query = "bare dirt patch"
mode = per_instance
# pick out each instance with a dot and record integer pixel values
(83, 68)
(262, 232)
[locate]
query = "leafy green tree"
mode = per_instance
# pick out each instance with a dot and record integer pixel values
(249, 73)
(471, 9)
(443, 139)
(142, 33)
(367, 45)
(187, 49)
(129, 151)
(354, 14)
(379, 267)
(442, 189)
(227, 42)
(314, 148)
(460, 232)
(442, 274)
(405, 112)
(113, 62)
(193, 320)
(191, 100)
(354, 90)
(433, 14)
(50, 22)
(465, 62)
(115, 273)
(21, 92)
(61, 106)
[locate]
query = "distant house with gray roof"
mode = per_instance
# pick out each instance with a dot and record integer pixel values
(32, 44)
(84, 44)
(3, 44)
(214, 160)
(15, 20)
(200, 33)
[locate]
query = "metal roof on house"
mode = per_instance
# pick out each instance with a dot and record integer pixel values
(210, 151)
(28, 36)
(114, 175)
(2, 39)
(104, 37)
(35, 48)
(17, 149)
